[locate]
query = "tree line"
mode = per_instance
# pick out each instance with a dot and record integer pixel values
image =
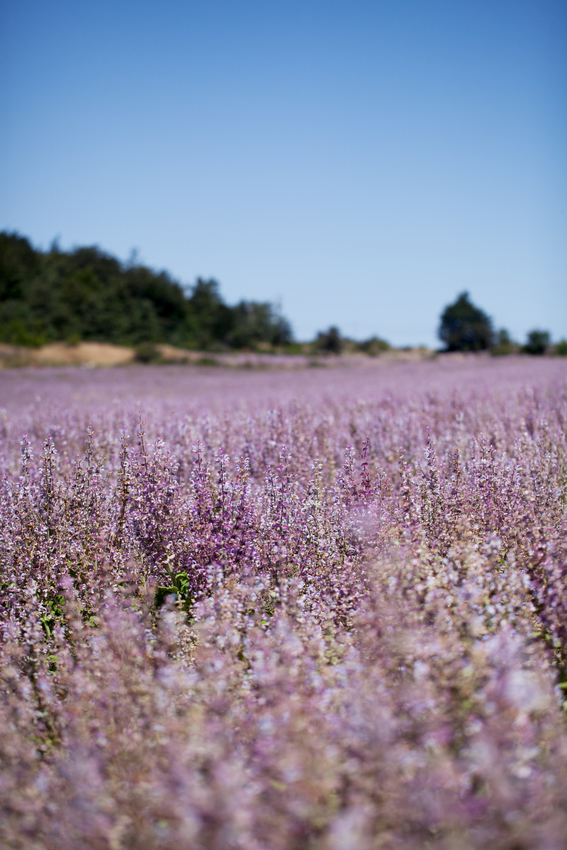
(87, 294)
(465, 327)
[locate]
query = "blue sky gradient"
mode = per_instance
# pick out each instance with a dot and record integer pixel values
(362, 162)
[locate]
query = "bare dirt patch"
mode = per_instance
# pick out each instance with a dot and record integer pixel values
(101, 354)
(63, 354)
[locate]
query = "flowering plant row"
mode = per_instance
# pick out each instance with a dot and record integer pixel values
(312, 625)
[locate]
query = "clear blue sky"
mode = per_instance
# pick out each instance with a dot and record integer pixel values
(364, 162)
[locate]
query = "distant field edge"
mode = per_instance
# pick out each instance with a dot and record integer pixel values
(106, 355)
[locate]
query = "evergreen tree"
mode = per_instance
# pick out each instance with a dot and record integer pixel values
(465, 327)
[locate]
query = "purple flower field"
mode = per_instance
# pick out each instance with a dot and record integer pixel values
(276, 610)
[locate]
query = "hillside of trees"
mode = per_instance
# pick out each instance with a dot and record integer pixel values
(88, 295)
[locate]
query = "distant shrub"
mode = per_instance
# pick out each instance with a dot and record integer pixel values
(537, 342)
(503, 344)
(329, 342)
(374, 346)
(147, 352)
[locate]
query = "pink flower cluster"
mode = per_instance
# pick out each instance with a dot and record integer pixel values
(335, 622)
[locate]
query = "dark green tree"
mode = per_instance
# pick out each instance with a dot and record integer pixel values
(255, 323)
(329, 342)
(537, 342)
(211, 320)
(19, 263)
(464, 327)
